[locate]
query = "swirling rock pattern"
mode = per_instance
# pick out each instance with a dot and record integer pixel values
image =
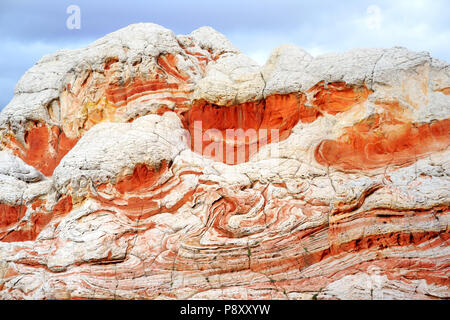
(342, 193)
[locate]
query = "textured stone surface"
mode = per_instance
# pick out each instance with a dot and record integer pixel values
(102, 195)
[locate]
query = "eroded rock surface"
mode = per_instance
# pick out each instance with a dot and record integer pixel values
(339, 188)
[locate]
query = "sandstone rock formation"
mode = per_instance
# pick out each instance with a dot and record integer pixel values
(339, 188)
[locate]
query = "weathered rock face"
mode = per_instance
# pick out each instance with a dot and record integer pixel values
(121, 176)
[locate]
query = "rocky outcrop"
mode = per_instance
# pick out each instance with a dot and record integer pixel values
(155, 166)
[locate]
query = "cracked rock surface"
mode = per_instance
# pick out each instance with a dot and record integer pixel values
(104, 195)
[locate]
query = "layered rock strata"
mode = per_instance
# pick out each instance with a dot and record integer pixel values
(150, 165)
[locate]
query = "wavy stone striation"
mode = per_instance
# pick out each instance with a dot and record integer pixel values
(103, 197)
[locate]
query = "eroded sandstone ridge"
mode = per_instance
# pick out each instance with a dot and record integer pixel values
(341, 191)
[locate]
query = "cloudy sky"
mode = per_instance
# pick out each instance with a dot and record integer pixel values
(30, 29)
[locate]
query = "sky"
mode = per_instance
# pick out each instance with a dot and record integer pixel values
(30, 29)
